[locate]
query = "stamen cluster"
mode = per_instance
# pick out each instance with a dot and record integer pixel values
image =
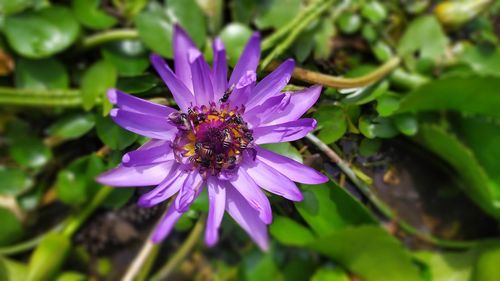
(211, 138)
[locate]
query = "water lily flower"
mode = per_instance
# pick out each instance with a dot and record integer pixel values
(213, 140)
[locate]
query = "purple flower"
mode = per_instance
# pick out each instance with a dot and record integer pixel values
(213, 140)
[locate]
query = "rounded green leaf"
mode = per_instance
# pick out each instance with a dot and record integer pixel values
(112, 135)
(349, 23)
(285, 149)
(487, 268)
(128, 56)
(72, 126)
(96, 81)
(330, 274)
(8, 7)
(41, 74)
(332, 123)
(89, 14)
(290, 232)
(235, 37)
(48, 257)
(138, 84)
(30, 152)
(374, 11)
(190, 16)
(118, 198)
(155, 29)
(14, 181)
(42, 33)
(387, 105)
(272, 14)
(377, 127)
(369, 147)
(11, 229)
(406, 123)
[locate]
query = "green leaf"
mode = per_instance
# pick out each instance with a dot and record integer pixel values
(71, 276)
(323, 39)
(374, 11)
(42, 33)
(96, 81)
(118, 197)
(89, 14)
(367, 94)
(483, 60)
(48, 257)
(41, 74)
(14, 181)
(486, 268)
(112, 135)
(406, 123)
(128, 56)
(330, 274)
(76, 183)
(331, 122)
(349, 22)
(30, 152)
(290, 232)
(381, 127)
(260, 266)
(235, 37)
(387, 104)
(190, 16)
(369, 147)
(272, 14)
(465, 94)
(138, 84)
(448, 266)
(11, 230)
(15, 270)
(155, 29)
(476, 183)
(285, 149)
(328, 207)
(358, 248)
(8, 7)
(425, 35)
(72, 126)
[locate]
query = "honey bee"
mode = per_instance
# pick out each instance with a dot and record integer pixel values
(219, 159)
(226, 139)
(244, 143)
(227, 93)
(203, 150)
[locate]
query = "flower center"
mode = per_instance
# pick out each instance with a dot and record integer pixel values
(211, 138)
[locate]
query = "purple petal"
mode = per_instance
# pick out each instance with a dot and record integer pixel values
(202, 84)
(166, 225)
(254, 195)
(290, 168)
(189, 191)
(298, 104)
(272, 180)
(136, 176)
(260, 114)
(289, 131)
(182, 95)
(242, 89)
(135, 104)
(272, 84)
(248, 60)
(217, 203)
(219, 75)
(154, 151)
(145, 125)
(247, 218)
(166, 189)
(182, 44)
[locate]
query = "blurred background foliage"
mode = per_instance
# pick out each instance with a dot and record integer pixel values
(409, 132)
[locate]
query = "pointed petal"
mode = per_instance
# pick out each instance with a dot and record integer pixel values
(272, 180)
(152, 152)
(166, 225)
(249, 59)
(202, 84)
(254, 195)
(247, 218)
(272, 84)
(166, 189)
(130, 103)
(182, 95)
(298, 104)
(217, 204)
(258, 115)
(290, 168)
(242, 89)
(219, 71)
(289, 131)
(136, 176)
(145, 125)
(182, 43)
(189, 191)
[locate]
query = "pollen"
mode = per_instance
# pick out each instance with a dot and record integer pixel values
(211, 138)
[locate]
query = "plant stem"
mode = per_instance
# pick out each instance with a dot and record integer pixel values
(44, 98)
(109, 36)
(285, 29)
(78, 219)
(182, 252)
(381, 206)
(29, 244)
(314, 77)
(294, 33)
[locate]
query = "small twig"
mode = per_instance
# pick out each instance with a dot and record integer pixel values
(109, 36)
(314, 77)
(381, 206)
(182, 252)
